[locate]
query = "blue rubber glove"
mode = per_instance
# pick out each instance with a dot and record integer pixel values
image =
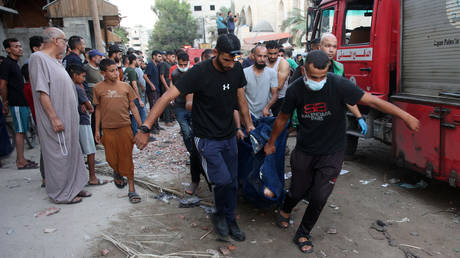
(363, 125)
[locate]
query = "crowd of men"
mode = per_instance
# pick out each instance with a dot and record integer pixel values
(80, 103)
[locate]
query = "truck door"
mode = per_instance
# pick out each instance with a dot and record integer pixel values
(355, 42)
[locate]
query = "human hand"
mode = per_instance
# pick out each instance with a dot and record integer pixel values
(57, 124)
(97, 137)
(363, 125)
(265, 112)
(412, 123)
(269, 148)
(250, 127)
(153, 88)
(83, 108)
(91, 109)
(141, 103)
(240, 134)
(141, 140)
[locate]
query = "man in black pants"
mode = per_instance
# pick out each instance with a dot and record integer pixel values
(217, 86)
(320, 99)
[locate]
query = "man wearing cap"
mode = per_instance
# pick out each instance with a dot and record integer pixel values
(217, 87)
(93, 74)
(115, 55)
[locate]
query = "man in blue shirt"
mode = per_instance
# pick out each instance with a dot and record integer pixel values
(221, 27)
(153, 84)
(231, 20)
(77, 48)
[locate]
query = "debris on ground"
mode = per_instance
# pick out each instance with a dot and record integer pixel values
(385, 185)
(13, 186)
(420, 185)
(287, 175)
(189, 202)
(224, 250)
(231, 248)
(48, 212)
(164, 197)
(208, 209)
(365, 182)
(334, 207)
(323, 253)
(405, 219)
(49, 230)
(394, 180)
(105, 252)
(344, 172)
(331, 231)
(10, 231)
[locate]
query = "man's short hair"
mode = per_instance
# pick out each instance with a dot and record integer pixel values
(282, 50)
(75, 69)
(316, 41)
(106, 63)
(206, 54)
(182, 56)
(35, 41)
(131, 58)
(318, 58)
(289, 52)
(170, 52)
(138, 52)
(196, 59)
(7, 42)
(228, 43)
(74, 41)
(155, 52)
(272, 45)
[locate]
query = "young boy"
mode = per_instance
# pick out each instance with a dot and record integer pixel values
(78, 75)
(114, 99)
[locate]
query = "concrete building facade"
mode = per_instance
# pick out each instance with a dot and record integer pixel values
(139, 37)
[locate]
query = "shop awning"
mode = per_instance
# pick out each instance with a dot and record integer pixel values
(264, 38)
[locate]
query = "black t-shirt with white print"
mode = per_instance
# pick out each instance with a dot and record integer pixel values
(214, 98)
(321, 113)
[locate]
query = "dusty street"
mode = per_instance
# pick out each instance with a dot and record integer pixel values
(422, 222)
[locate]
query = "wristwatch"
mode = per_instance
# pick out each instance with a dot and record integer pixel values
(144, 129)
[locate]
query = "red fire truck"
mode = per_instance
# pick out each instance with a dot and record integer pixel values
(406, 52)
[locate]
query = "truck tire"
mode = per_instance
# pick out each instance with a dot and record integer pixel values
(351, 144)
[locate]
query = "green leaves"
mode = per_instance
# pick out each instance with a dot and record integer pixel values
(297, 24)
(175, 26)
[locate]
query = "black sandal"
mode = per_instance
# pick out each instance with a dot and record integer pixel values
(280, 219)
(303, 244)
(134, 197)
(117, 177)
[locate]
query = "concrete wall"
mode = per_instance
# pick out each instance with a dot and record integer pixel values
(23, 35)
(78, 26)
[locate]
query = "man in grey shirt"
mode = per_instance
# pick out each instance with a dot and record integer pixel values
(261, 89)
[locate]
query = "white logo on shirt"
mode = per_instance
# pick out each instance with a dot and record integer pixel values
(226, 86)
(113, 94)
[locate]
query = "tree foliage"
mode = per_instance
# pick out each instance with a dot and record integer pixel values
(175, 27)
(297, 24)
(122, 33)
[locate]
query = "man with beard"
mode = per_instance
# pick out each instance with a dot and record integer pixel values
(261, 89)
(217, 85)
(115, 55)
(93, 74)
(77, 50)
(281, 67)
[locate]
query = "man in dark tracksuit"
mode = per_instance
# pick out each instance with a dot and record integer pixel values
(320, 99)
(217, 86)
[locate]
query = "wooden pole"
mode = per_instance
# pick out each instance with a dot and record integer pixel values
(96, 25)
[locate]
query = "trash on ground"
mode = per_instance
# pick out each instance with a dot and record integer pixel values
(287, 175)
(164, 197)
(105, 252)
(28, 180)
(253, 242)
(365, 182)
(331, 231)
(323, 253)
(189, 202)
(49, 230)
(208, 209)
(344, 172)
(394, 180)
(385, 185)
(334, 207)
(10, 231)
(405, 219)
(420, 185)
(231, 248)
(13, 186)
(224, 250)
(413, 233)
(48, 212)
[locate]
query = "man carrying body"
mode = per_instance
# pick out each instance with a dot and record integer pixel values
(14, 100)
(217, 86)
(316, 161)
(281, 67)
(57, 121)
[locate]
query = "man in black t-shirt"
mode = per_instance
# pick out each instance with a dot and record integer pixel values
(217, 87)
(320, 99)
(164, 81)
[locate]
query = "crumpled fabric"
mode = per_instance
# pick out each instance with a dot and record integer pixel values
(256, 170)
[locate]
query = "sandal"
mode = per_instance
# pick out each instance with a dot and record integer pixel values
(84, 194)
(191, 190)
(134, 197)
(75, 200)
(117, 177)
(29, 165)
(31, 161)
(99, 182)
(280, 219)
(301, 245)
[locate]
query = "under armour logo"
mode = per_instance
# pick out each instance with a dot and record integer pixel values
(226, 86)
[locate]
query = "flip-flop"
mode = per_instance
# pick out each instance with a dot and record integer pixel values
(75, 200)
(134, 197)
(116, 177)
(99, 182)
(84, 194)
(28, 166)
(31, 161)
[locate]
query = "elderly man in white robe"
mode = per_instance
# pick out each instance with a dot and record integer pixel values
(56, 106)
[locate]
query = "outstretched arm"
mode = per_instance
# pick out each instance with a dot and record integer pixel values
(278, 127)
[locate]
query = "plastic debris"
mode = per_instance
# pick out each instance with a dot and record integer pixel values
(10, 231)
(231, 248)
(344, 172)
(385, 185)
(48, 212)
(334, 207)
(208, 209)
(164, 197)
(189, 202)
(224, 250)
(323, 253)
(405, 219)
(456, 250)
(394, 181)
(13, 186)
(420, 185)
(49, 230)
(365, 182)
(253, 242)
(105, 252)
(28, 180)
(413, 233)
(331, 231)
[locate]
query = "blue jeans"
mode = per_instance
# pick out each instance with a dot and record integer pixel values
(141, 114)
(184, 118)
